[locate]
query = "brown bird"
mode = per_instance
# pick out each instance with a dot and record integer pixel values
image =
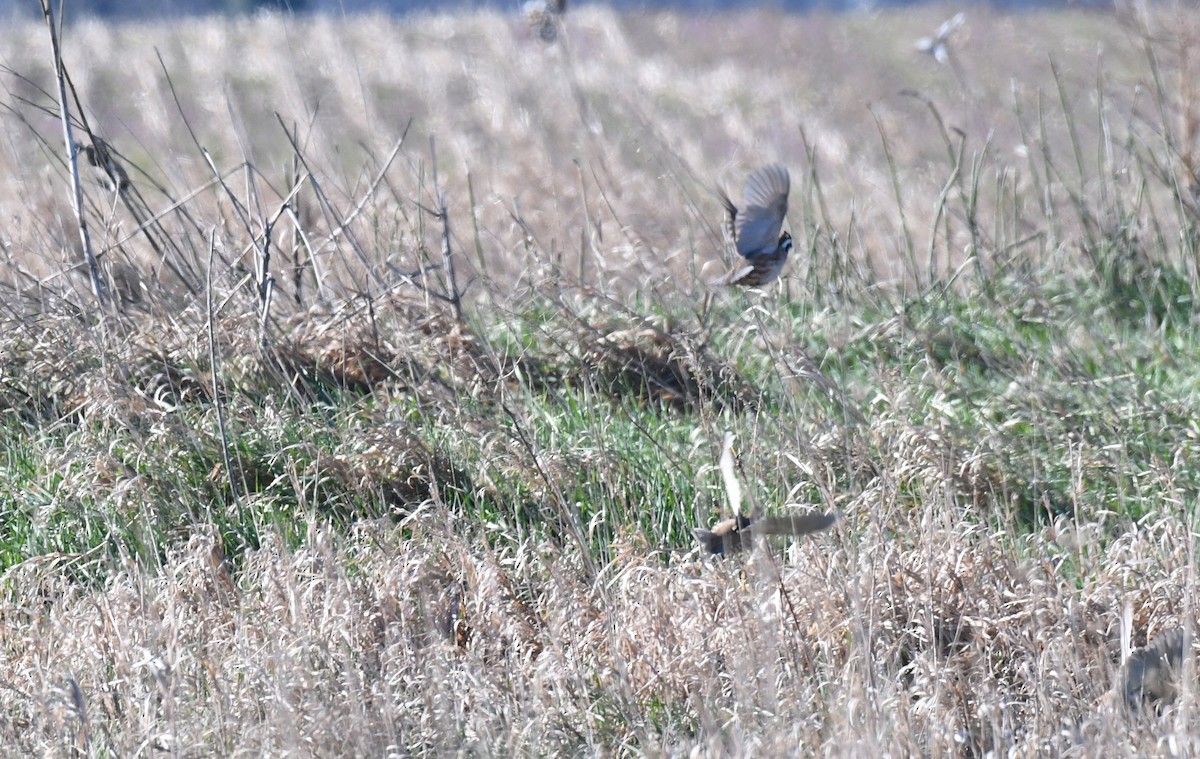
(736, 534)
(754, 229)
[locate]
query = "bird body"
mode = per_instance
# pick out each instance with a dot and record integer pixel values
(737, 534)
(755, 229)
(545, 16)
(108, 172)
(1151, 675)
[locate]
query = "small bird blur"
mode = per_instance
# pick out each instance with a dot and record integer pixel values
(544, 16)
(937, 45)
(939, 48)
(737, 533)
(755, 229)
(108, 172)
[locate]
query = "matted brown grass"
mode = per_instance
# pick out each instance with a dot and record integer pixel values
(415, 638)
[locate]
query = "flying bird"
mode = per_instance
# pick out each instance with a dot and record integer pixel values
(937, 44)
(737, 533)
(1151, 675)
(545, 17)
(754, 229)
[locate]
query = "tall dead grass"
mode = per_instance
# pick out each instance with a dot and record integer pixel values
(416, 638)
(565, 158)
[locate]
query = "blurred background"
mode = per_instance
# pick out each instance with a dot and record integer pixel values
(125, 9)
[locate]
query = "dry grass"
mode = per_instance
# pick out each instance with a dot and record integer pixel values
(417, 638)
(573, 155)
(344, 521)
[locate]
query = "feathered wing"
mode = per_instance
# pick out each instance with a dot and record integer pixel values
(757, 225)
(800, 524)
(729, 228)
(1151, 674)
(949, 25)
(735, 534)
(735, 276)
(731, 215)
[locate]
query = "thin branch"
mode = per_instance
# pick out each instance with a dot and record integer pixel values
(443, 214)
(379, 177)
(73, 158)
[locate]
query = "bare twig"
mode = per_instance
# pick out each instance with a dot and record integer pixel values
(72, 156)
(333, 218)
(443, 214)
(370, 193)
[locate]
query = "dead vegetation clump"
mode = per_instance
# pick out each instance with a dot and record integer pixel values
(600, 345)
(658, 367)
(417, 635)
(43, 368)
(396, 344)
(389, 465)
(930, 461)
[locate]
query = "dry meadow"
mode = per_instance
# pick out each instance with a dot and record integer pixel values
(405, 389)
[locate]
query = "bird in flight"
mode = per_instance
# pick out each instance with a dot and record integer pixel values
(754, 229)
(939, 48)
(938, 44)
(545, 16)
(1152, 674)
(737, 533)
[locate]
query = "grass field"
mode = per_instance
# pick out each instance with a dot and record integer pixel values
(319, 479)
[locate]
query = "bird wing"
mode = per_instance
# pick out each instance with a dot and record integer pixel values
(799, 524)
(735, 276)
(949, 25)
(758, 224)
(731, 214)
